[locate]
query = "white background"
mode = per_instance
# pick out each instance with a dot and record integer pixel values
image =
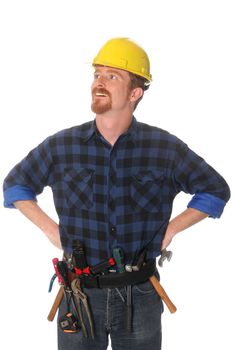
(46, 50)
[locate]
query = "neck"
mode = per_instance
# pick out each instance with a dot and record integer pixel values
(111, 128)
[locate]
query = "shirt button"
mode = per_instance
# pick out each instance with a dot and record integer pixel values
(113, 229)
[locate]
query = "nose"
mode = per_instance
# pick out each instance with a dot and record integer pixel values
(101, 81)
(98, 84)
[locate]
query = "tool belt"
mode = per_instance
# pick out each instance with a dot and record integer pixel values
(74, 273)
(117, 280)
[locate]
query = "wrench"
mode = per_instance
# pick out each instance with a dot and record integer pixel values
(166, 254)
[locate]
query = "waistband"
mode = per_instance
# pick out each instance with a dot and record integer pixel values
(118, 280)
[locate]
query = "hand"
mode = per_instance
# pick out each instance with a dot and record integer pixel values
(181, 222)
(55, 240)
(36, 215)
(166, 241)
(54, 236)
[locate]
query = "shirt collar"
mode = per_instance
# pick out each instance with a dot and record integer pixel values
(90, 132)
(93, 131)
(133, 129)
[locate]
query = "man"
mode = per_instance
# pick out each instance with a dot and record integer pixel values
(114, 181)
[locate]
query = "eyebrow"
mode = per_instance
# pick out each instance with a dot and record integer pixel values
(111, 70)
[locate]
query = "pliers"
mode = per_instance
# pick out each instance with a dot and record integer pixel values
(80, 297)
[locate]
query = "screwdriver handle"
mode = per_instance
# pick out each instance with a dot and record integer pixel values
(55, 261)
(79, 255)
(118, 256)
(63, 271)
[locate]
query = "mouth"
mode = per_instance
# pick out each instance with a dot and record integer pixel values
(101, 100)
(99, 92)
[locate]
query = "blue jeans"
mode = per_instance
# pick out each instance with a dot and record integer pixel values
(108, 307)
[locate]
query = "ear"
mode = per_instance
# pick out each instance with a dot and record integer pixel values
(136, 93)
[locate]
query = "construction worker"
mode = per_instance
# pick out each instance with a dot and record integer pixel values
(114, 180)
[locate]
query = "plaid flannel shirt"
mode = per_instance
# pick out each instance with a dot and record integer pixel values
(118, 196)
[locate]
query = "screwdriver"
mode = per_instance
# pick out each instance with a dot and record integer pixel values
(119, 258)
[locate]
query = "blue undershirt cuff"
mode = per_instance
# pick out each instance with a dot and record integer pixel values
(207, 203)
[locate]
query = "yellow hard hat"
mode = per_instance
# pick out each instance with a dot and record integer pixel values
(123, 53)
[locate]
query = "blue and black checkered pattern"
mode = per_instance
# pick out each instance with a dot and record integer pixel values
(117, 196)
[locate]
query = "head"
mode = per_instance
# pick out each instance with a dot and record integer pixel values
(125, 57)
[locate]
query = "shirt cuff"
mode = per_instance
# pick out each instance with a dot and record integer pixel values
(207, 203)
(17, 193)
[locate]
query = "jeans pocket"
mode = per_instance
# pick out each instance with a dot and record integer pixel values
(78, 187)
(144, 288)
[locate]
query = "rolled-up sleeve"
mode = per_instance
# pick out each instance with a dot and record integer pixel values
(195, 176)
(17, 193)
(207, 203)
(29, 177)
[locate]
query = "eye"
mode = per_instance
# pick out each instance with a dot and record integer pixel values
(96, 75)
(112, 77)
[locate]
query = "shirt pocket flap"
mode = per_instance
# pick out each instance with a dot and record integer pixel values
(78, 174)
(146, 190)
(79, 187)
(145, 176)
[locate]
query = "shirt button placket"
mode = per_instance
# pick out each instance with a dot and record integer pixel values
(112, 195)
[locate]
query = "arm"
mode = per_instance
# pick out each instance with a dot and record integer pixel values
(184, 220)
(191, 174)
(36, 215)
(28, 179)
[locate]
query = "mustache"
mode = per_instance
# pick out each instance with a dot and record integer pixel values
(100, 91)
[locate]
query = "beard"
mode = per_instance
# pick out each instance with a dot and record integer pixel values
(101, 105)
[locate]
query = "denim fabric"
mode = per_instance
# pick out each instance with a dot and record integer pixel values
(109, 313)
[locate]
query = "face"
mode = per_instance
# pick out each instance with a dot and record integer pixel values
(110, 90)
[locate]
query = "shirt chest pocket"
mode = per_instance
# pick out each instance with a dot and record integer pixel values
(78, 187)
(146, 191)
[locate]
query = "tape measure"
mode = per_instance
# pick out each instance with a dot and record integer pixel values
(69, 323)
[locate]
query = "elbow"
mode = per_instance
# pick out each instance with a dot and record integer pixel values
(226, 193)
